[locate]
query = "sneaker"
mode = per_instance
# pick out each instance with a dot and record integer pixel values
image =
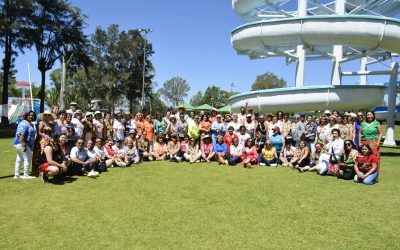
(150, 158)
(263, 164)
(27, 177)
(226, 162)
(274, 165)
(285, 164)
(43, 177)
(16, 177)
(92, 174)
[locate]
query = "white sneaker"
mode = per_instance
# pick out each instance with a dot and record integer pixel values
(285, 164)
(274, 165)
(93, 174)
(262, 164)
(27, 177)
(16, 177)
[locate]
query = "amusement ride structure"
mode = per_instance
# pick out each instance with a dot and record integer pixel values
(340, 31)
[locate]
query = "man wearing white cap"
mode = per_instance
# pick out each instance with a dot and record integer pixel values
(72, 108)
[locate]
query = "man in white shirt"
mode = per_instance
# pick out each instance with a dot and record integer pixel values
(80, 159)
(72, 108)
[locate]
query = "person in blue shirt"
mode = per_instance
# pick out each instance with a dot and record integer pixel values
(217, 128)
(278, 141)
(221, 150)
(24, 142)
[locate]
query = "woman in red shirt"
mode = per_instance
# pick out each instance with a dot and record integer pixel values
(366, 166)
(250, 155)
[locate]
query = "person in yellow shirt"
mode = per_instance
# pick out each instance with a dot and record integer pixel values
(268, 155)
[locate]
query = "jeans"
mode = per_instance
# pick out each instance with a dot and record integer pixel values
(23, 157)
(233, 160)
(268, 162)
(371, 179)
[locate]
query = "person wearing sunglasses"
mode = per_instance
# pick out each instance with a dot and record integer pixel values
(366, 166)
(371, 133)
(346, 161)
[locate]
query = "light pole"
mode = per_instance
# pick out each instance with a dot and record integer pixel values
(146, 31)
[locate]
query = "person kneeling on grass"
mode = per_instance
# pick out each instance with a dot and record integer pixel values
(193, 152)
(174, 151)
(81, 163)
(346, 161)
(366, 166)
(221, 150)
(268, 156)
(236, 152)
(131, 153)
(51, 161)
(207, 149)
(301, 158)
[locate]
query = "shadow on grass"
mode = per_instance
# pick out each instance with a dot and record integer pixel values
(391, 154)
(6, 176)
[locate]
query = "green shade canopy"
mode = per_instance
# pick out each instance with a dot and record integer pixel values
(187, 106)
(224, 109)
(204, 107)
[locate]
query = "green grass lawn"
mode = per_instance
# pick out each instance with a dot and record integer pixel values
(170, 205)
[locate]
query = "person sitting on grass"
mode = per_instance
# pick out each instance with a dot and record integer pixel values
(93, 158)
(52, 162)
(249, 155)
(143, 147)
(207, 149)
(160, 151)
(316, 159)
(105, 160)
(288, 152)
(301, 158)
(228, 137)
(346, 161)
(116, 151)
(80, 160)
(174, 147)
(131, 153)
(268, 156)
(221, 150)
(236, 152)
(184, 146)
(193, 152)
(366, 166)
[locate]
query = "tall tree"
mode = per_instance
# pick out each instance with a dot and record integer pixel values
(55, 24)
(268, 81)
(174, 90)
(197, 99)
(216, 97)
(13, 38)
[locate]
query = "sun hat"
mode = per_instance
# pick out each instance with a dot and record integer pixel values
(47, 112)
(248, 115)
(327, 112)
(73, 103)
(78, 112)
(219, 116)
(97, 112)
(89, 113)
(353, 115)
(205, 137)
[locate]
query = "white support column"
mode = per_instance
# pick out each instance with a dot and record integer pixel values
(301, 53)
(389, 140)
(338, 49)
(363, 78)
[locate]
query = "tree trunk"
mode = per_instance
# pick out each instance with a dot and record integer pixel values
(6, 73)
(42, 90)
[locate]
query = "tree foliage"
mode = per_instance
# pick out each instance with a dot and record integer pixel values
(216, 97)
(268, 81)
(13, 38)
(54, 25)
(174, 90)
(197, 99)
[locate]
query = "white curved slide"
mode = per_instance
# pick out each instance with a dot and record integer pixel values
(366, 32)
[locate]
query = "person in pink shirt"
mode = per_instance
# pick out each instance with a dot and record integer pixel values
(207, 149)
(250, 155)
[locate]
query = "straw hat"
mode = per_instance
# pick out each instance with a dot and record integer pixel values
(47, 112)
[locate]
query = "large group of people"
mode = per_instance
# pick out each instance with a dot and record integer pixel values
(70, 142)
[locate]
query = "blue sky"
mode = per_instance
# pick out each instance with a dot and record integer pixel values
(191, 39)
